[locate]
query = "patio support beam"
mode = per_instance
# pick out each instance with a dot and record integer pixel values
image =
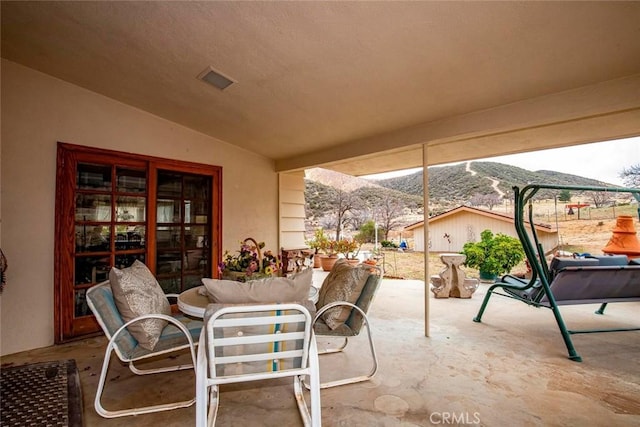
(584, 130)
(603, 111)
(425, 195)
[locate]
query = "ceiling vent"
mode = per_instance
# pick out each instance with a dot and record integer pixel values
(215, 79)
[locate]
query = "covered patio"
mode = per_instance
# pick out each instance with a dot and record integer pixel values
(512, 369)
(356, 87)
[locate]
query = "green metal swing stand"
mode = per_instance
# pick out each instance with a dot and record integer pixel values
(566, 285)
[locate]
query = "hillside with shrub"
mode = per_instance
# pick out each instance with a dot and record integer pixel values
(343, 203)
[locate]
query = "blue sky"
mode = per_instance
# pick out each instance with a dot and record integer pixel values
(601, 160)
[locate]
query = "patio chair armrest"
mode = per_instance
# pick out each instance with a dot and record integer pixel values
(172, 296)
(518, 283)
(322, 310)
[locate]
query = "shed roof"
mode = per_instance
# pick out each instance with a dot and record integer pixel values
(546, 228)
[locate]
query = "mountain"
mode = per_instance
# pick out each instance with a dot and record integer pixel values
(462, 181)
(338, 180)
(400, 200)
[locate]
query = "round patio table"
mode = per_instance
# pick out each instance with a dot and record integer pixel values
(194, 301)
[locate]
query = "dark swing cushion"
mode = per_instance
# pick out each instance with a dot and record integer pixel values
(558, 263)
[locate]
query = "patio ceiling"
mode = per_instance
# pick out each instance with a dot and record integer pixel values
(357, 87)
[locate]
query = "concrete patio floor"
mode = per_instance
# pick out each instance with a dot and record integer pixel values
(510, 370)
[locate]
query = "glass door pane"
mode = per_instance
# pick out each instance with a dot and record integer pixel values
(110, 224)
(169, 184)
(93, 207)
(183, 224)
(93, 177)
(131, 180)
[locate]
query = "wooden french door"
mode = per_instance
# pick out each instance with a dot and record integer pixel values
(113, 208)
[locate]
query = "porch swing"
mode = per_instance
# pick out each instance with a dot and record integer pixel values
(567, 281)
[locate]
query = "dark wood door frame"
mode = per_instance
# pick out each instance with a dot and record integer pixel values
(67, 326)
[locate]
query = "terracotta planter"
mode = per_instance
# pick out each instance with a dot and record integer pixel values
(317, 260)
(624, 240)
(353, 261)
(328, 261)
(371, 262)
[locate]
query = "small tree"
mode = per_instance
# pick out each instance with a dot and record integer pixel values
(599, 198)
(342, 202)
(493, 255)
(367, 232)
(318, 241)
(488, 200)
(564, 196)
(631, 176)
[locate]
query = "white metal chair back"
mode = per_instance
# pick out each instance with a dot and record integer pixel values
(243, 343)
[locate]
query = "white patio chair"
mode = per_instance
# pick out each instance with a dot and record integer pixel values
(243, 343)
(180, 334)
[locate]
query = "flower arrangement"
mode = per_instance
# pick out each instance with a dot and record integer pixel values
(249, 263)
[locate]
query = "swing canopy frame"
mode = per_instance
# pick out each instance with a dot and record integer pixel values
(584, 280)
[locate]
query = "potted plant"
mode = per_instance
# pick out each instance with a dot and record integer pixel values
(493, 255)
(350, 249)
(330, 249)
(319, 239)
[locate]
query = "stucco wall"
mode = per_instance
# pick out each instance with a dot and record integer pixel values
(38, 111)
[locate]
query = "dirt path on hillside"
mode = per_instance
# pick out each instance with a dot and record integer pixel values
(468, 169)
(494, 182)
(494, 185)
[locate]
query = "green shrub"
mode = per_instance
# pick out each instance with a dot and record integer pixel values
(493, 255)
(367, 232)
(388, 244)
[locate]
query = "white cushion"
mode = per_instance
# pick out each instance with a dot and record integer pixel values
(136, 293)
(274, 289)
